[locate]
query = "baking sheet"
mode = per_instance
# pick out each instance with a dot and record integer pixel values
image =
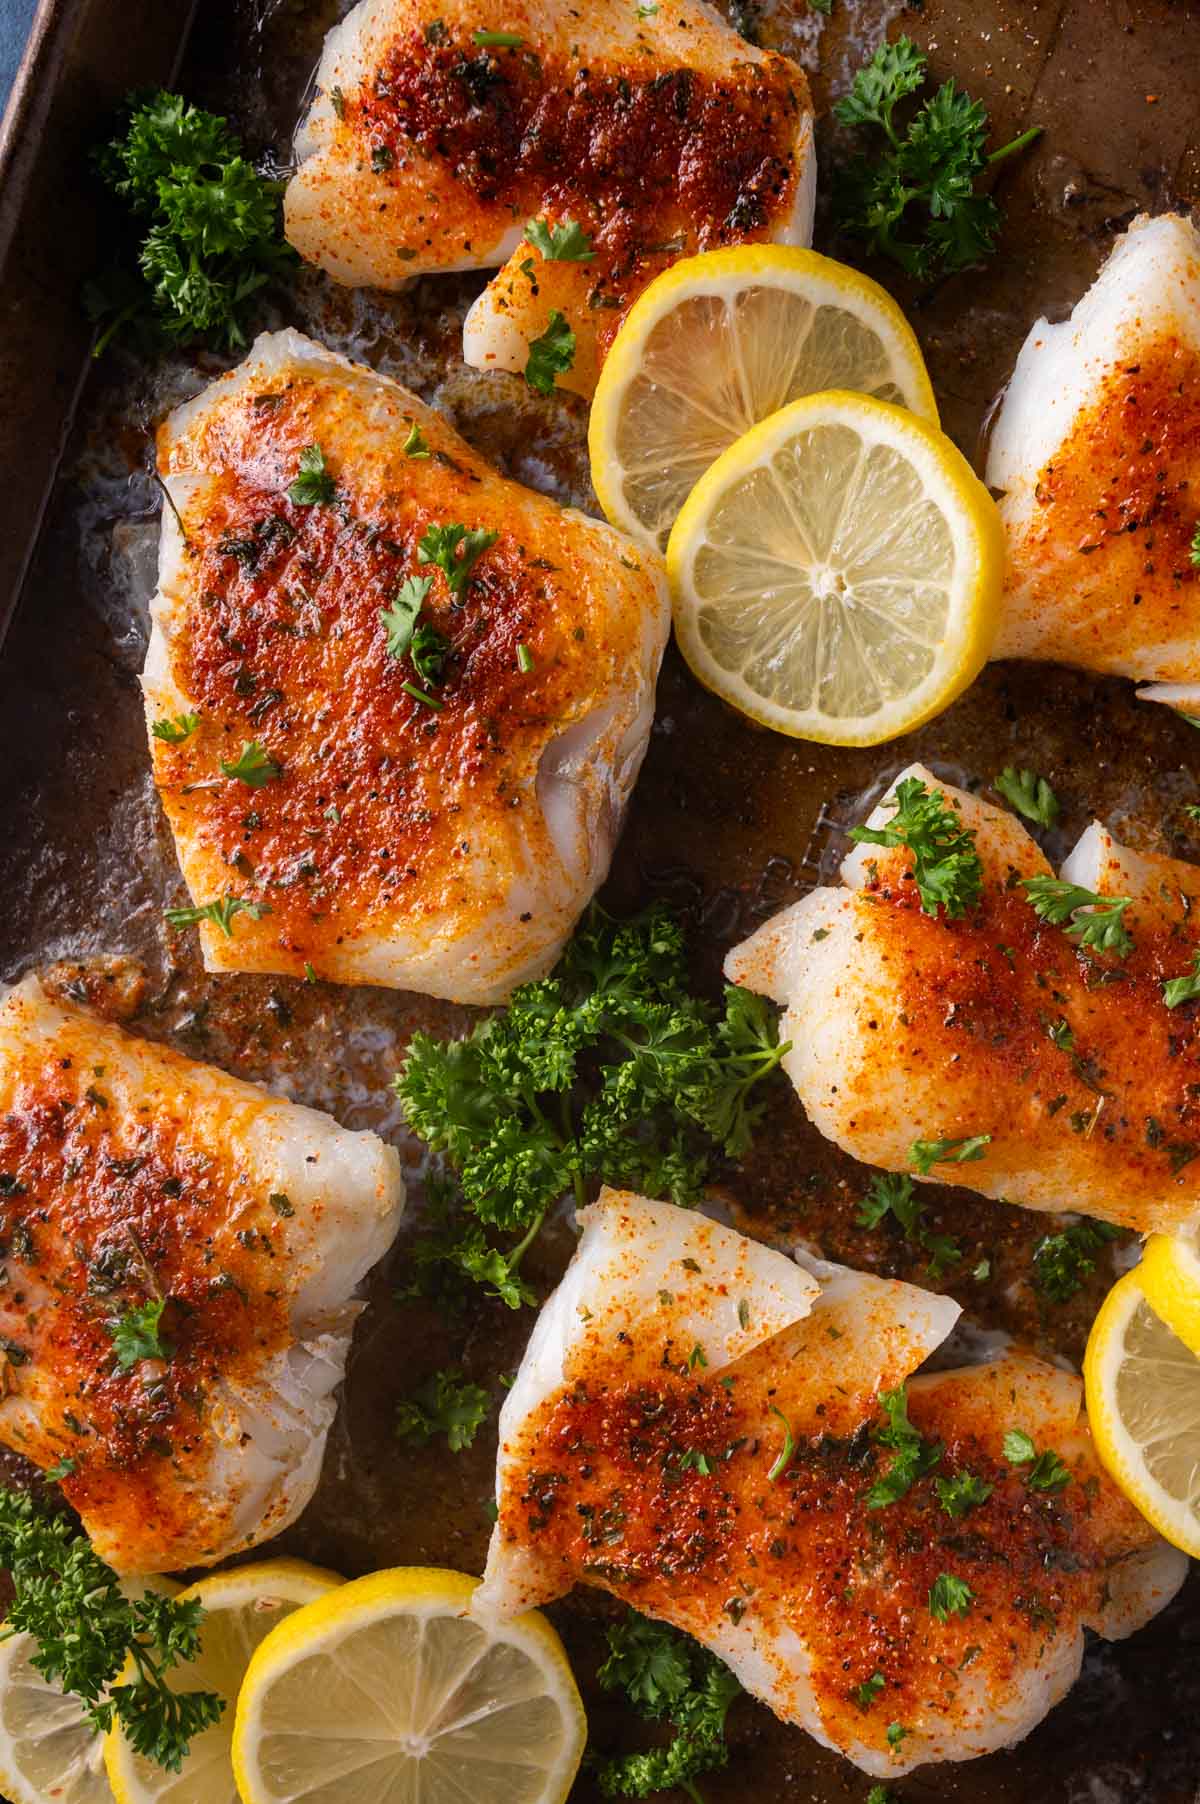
(728, 823)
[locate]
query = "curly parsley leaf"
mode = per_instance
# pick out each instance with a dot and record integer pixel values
(893, 1193)
(1046, 1471)
(1061, 1262)
(400, 616)
(551, 354)
(220, 914)
(914, 1456)
(1095, 921)
(913, 198)
(564, 243)
(85, 1627)
(253, 766)
(175, 730)
(925, 1154)
(946, 865)
(1183, 989)
(864, 1695)
(608, 1069)
(666, 1676)
(415, 445)
(313, 485)
(962, 1493)
(455, 550)
(1029, 794)
(136, 1336)
(205, 228)
(447, 1404)
(949, 1596)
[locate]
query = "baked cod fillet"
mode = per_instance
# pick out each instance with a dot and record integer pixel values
(907, 1027)
(433, 141)
(644, 1448)
(181, 1252)
(441, 751)
(1096, 448)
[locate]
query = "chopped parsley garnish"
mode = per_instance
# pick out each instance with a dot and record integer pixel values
(667, 1677)
(864, 1695)
(400, 616)
(62, 1468)
(1095, 921)
(1029, 794)
(913, 197)
(253, 766)
(221, 913)
(946, 865)
(85, 1628)
(564, 243)
(949, 1596)
(882, 1794)
(610, 1068)
(1194, 548)
(893, 1193)
(455, 550)
(1061, 1262)
(204, 232)
(925, 1154)
(914, 1456)
(961, 1494)
(447, 1404)
(313, 486)
(136, 1336)
(498, 40)
(1046, 1471)
(415, 444)
(551, 354)
(787, 1452)
(1183, 989)
(896, 1732)
(175, 730)
(525, 662)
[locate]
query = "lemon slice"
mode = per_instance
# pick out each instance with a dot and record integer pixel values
(241, 1608)
(388, 1689)
(837, 573)
(1170, 1275)
(714, 345)
(1143, 1403)
(48, 1749)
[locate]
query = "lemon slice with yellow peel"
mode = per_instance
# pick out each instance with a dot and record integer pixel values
(837, 573)
(717, 343)
(240, 1610)
(387, 1688)
(1143, 1404)
(1170, 1275)
(48, 1748)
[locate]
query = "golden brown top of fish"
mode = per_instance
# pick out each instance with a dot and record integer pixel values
(393, 792)
(648, 158)
(101, 1214)
(1034, 1035)
(677, 1493)
(1118, 507)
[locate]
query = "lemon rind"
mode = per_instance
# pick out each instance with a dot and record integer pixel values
(1170, 1276)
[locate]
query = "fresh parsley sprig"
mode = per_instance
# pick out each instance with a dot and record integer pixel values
(1046, 1471)
(946, 865)
(1029, 794)
(1183, 989)
(1061, 1262)
(221, 913)
(925, 1154)
(610, 1068)
(313, 484)
(206, 232)
(455, 549)
(173, 730)
(566, 242)
(86, 1627)
(914, 198)
(914, 1455)
(253, 766)
(667, 1677)
(446, 1404)
(894, 1193)
(551, 354)
(1095, 921)
(137, 1334)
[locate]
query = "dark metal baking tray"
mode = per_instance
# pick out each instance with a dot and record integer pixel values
(728, 823)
